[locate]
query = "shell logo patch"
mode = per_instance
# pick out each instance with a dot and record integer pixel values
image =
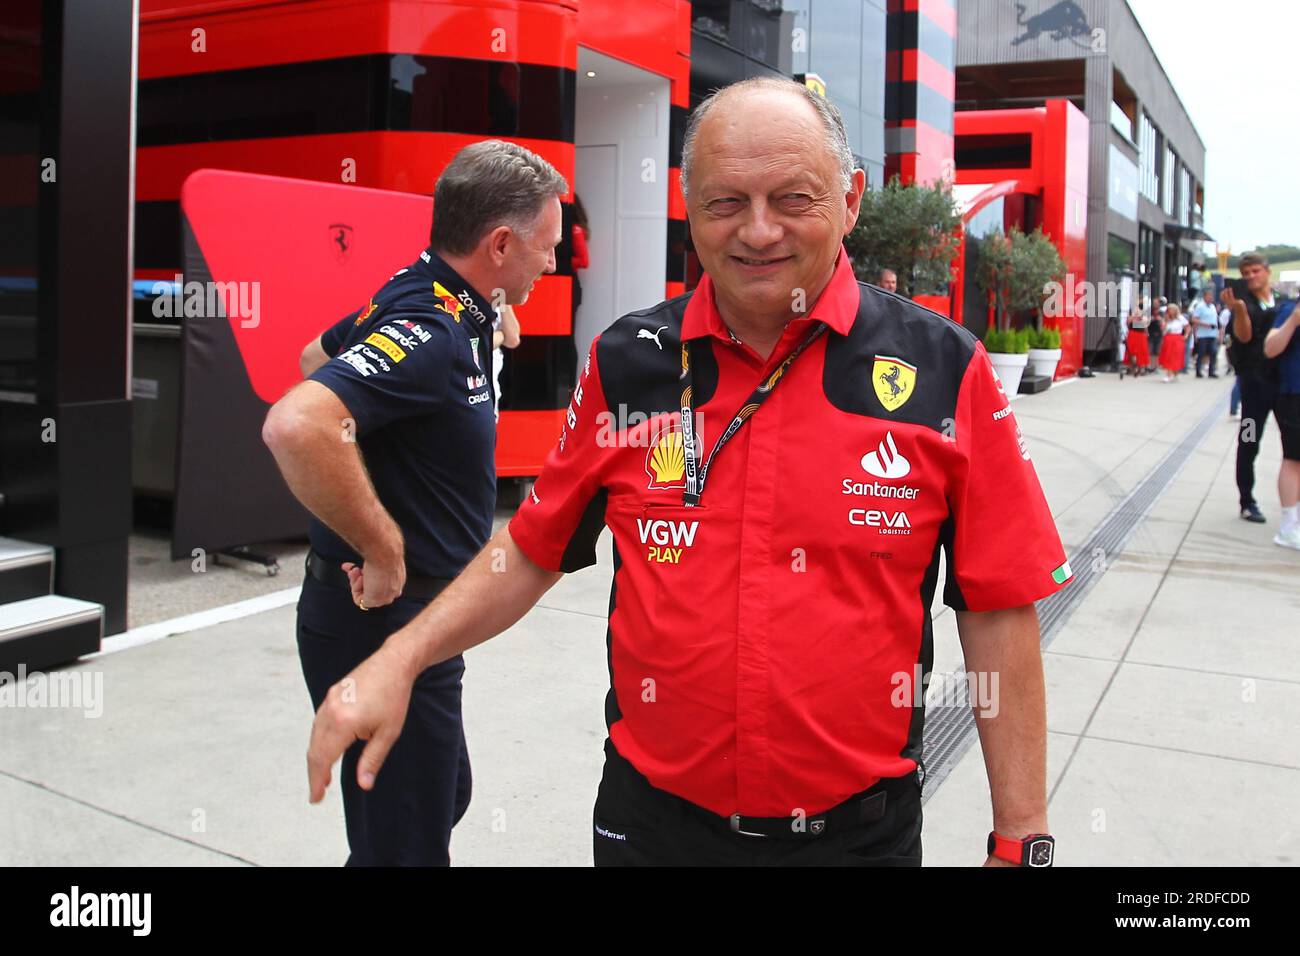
(665, 462)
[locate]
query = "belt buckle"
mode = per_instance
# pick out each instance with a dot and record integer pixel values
(735, 827)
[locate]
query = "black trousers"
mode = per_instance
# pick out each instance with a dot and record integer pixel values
(636, 824)
(423, 789)
(1258, 396)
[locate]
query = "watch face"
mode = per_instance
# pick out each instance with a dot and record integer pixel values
(1040, 853)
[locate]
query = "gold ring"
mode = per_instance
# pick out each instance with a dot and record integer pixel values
(362, 605)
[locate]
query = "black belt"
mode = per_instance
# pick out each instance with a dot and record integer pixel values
(864, 807)
(419, 587)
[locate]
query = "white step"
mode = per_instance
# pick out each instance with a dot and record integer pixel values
(49, 613)
(17, 554)
(46, 631)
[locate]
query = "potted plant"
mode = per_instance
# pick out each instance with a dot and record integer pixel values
(1044, 351)
(1009, 352)
(1016, 272)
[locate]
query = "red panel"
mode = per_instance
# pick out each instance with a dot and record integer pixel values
(276, 232)
(1065, 215)
(936, 303)
(644, 33)
(407, 162)
(676, 204)
(920, 67)
(524, 439)
(155, 275)
(684, 27)
(999, 122)
(932, 160)
(674, 289)
(253, 34)
(1059, 175)
(548, 310)
(680, 93)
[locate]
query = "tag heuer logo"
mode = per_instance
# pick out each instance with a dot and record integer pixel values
(894, 381)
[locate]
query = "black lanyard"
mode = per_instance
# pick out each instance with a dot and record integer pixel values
(696, 474)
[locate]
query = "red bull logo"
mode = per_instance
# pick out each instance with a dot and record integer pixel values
(366, 313)
(446, 301)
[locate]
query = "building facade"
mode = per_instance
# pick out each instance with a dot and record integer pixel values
(1146, 169)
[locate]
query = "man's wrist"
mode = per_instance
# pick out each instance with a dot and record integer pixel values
(387, 548)
(405, 648)
(1017, 828)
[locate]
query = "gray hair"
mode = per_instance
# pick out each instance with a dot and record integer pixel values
(489, 184)
(832, 122)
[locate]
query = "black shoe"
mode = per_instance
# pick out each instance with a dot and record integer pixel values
(1199, 375)
(1212, 375)
(1252, 513)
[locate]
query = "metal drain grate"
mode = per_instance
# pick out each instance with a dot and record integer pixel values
(952, 731)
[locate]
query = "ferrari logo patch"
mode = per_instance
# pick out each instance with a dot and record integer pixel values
(894, 381)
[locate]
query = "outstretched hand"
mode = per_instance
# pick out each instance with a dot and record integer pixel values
(369, 704)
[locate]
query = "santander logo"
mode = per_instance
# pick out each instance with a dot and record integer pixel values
(886, 461)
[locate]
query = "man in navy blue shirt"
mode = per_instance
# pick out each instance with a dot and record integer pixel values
(390, 444)
(1283, 344)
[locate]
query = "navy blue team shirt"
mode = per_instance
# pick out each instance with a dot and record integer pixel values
(414, 369)
(1288, 363)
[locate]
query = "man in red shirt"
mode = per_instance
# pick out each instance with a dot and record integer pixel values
(791, 453)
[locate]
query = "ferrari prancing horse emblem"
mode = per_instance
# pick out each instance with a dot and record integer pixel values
(894, 381)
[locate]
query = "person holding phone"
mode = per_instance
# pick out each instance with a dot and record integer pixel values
(1254, 310)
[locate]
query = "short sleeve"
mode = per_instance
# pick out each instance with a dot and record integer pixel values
(400, 369)
(1284, 312)
(558, 524)
(332, 339)
(1004, 550)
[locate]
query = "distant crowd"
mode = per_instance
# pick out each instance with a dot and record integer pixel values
(1257, 323)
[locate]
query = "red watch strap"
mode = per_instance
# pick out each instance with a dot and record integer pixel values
(1005, 848)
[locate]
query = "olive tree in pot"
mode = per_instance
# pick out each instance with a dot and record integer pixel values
(911, 229)
(1016, 272)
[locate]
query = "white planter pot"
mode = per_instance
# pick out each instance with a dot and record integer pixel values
(1044, 361)
(1009, 368)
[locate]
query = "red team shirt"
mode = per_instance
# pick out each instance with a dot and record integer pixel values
(758, 642)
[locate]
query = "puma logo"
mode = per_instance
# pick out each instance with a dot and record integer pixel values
(653, 336)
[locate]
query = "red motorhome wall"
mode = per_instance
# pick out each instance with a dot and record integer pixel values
(1057, 174)
(183, 38)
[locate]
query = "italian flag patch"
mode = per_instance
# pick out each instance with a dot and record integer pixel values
(1063, 573)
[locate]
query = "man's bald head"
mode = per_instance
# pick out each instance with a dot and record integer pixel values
(757, 98)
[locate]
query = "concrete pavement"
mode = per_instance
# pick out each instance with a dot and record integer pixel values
(1173, 695)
